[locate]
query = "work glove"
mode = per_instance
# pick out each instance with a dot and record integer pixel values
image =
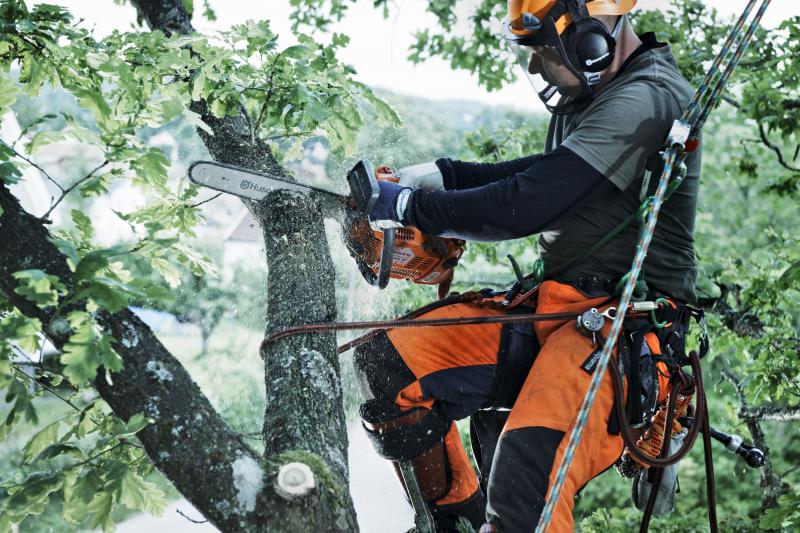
(390, 208)
(424, 176)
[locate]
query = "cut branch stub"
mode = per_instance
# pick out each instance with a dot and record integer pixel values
(295, 481)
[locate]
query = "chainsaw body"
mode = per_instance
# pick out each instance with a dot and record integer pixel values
(398, 253)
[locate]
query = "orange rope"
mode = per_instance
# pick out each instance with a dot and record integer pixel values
(652, 441)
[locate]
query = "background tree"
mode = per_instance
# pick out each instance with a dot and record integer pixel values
(250, 100)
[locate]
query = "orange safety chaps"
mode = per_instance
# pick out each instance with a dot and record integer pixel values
(417, 381)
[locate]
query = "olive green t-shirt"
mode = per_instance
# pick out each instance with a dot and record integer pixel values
(624, 127)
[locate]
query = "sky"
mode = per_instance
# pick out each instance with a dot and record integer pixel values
(378, 47)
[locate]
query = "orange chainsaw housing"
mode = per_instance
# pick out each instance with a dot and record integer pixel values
(417, 257)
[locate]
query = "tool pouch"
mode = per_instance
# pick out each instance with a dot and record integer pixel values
(667, 488)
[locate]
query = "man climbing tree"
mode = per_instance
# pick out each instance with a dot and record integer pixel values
(132, 406)
(614, 97)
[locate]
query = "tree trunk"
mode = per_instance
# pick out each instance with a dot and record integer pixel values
(206, 461)
(304, 423)
(205, 337)
(304, 410)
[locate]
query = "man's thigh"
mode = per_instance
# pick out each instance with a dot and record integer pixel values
(537, 431)
(453, 366)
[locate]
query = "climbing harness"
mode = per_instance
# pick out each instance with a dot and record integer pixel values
(682, 138)
(639, 310)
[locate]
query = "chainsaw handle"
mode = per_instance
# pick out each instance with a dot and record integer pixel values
(387, 258)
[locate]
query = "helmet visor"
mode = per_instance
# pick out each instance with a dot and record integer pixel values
(538, 64)
(543, 59)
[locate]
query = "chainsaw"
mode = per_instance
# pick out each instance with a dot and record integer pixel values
(380, 254)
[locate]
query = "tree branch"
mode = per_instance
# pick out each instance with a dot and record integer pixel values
(168, 16)
(198, 204)
(189, 442)
(39, 168)
(766, 142)
(787, 104)
(770, 482)
(65, 192)
(770, 412)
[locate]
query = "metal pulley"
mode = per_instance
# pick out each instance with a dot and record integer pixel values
(590, 323)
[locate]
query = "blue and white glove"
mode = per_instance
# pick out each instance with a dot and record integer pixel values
(391, 205)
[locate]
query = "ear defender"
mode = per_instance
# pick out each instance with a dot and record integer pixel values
(591, 43)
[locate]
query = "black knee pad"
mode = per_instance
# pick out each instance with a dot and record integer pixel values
(415, 436)
(380, 371)
(403, 435)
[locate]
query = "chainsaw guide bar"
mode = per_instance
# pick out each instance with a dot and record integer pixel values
(247, 183)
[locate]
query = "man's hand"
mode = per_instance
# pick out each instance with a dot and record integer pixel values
(424, 176)
(391, 205)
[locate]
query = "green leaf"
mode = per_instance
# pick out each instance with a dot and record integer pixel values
(8, 94)
(88, 349)
(94, 101)
(100, 509)
(86, 423)
(61, 450)
(33, 495)
(135, 424)
(43, 138)
(68, 249)
(151, 167)
(80, 493)
(297, 51)
(9, 173)
(41, 440)
(791, 276)
(39, 287)
(24, 330)
(84, 225)
(108, 293)
(134, 492)
(18, 393)
(170, 273)
(95, 261)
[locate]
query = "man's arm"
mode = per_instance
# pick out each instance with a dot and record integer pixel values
(459, 175)
(518, 206)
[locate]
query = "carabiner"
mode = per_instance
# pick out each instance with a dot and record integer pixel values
(610, 313)
(660, 302)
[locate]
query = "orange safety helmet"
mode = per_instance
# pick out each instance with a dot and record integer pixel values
(540, 8)
(570, 29)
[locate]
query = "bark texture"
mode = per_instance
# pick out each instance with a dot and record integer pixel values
(304, 412)
(189, 442)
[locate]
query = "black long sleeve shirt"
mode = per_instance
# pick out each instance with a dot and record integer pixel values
(507, 200)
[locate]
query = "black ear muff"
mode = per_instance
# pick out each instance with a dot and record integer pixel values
(594, 48)
(590, 44)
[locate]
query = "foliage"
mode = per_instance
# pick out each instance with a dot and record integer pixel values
(120, 88)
